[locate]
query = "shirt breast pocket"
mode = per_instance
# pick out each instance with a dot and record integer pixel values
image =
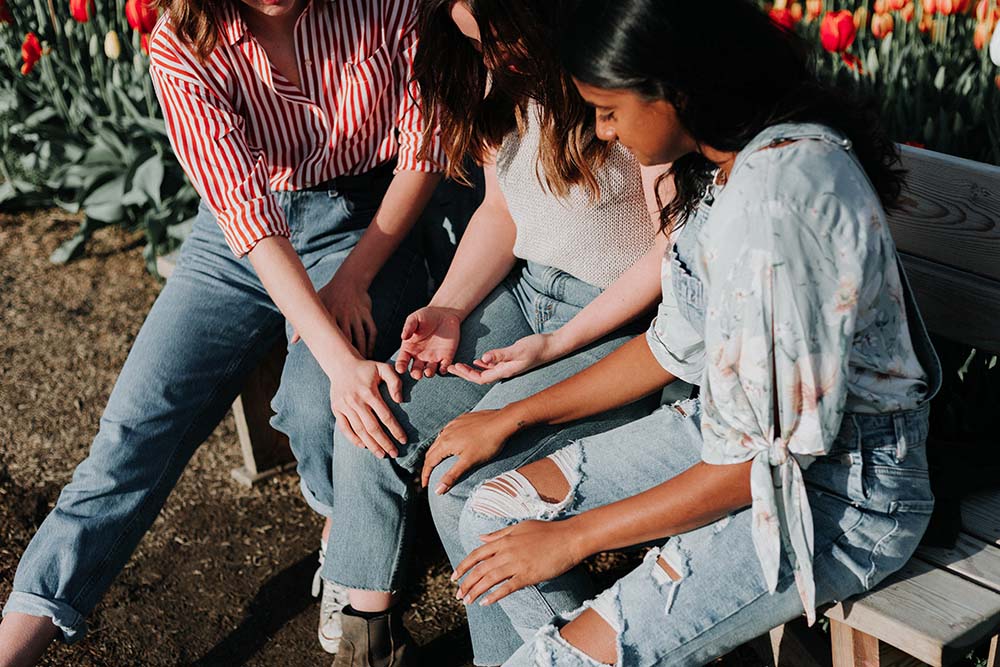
(689, 293)
(365, 84)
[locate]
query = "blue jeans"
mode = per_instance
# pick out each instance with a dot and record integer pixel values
(870, 500)
(208, 329)
(373, 498)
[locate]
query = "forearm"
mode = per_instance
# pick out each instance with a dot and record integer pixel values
(484, 258)
(698, 496)
(626, 375)
(402, 205)
(286, 281)
(635, 292)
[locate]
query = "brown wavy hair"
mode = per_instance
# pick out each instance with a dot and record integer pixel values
(478, 98)
(198, 23)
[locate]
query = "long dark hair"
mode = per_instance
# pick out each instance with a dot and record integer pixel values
(521, 65)
(729, 71)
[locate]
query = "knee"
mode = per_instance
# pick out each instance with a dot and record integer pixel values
(445, 507)
(540, 490)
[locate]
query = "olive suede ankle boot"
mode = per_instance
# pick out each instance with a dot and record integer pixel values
(379, 641)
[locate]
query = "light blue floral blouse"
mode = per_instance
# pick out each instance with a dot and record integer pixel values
(783, 289)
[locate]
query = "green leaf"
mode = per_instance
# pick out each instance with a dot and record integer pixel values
(149, 178)
(104, 204)
(939, 79)
(69, 250)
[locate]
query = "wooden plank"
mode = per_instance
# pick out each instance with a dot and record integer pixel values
(265, 450)
(991, 660)
(956, 304)
(981, 516)
(927, 612)
(971, 558)
(950, 212)
(853, 648)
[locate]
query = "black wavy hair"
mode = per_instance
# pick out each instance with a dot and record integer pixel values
(729, 71)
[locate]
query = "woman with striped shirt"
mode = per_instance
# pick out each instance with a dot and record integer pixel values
(297, 123)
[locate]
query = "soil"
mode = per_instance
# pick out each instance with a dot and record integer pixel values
(223, 577)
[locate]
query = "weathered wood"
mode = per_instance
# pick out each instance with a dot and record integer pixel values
(991, 660)
(981, 516)
(950, 213)
(853, 648)
(971, 558)
(927, 612)
(956, 304)
(265, 450)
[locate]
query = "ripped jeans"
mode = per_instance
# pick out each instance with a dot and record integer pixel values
(870, 500)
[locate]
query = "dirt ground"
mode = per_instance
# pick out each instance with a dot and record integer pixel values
(223, 577)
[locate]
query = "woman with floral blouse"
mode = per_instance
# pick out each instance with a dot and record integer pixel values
(799, 475)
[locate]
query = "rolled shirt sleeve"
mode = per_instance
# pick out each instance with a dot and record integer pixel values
(410, 121)
(207, 137)
(677, 346)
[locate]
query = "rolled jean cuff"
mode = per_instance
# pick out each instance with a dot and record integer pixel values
(311, 500)
(68, 620)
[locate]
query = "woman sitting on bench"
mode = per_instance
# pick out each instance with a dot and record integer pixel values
(799, 476)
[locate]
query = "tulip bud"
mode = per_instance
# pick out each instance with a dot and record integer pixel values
(882, 25)
(837, 32)
(930, 7)
(995, 51)
(94, 46)
(814, 9)
(31, 53)
(81, 10)
(112, 47)
(5, 15)
(797, 11)
(908, 12)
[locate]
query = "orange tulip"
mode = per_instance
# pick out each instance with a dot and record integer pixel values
(908, 12)
(899, 4)
(930, 7)
(797, 12)
(983, 11)
(882, 25)
(981, 37)
(31, 52)
(814, 9)
(881, 6)
(860, 17)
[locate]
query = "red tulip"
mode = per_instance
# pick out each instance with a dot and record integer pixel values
(783, 17)
(898, 4)
(144, 42)
(837, 32)
(5, 15)
(81, 10)
(140, 15)
(31, 52)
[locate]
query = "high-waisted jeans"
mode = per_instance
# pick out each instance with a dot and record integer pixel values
(210, 326)
(870, 500)
(373, 498)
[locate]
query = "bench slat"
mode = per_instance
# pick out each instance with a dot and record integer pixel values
(950, 213)
(927, 612)
(970, 558)
(981, 516)
(956, 304)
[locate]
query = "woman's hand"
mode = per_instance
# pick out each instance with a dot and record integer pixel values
(475, 438)
(430, 338)
(524, 554)
(361, 413)
(528, 353)
(351, 307)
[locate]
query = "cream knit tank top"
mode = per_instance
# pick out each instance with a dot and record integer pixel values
(592, 241)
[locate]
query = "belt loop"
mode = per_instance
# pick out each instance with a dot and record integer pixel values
(901, 433)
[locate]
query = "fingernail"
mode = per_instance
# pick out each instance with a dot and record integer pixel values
(440, 489)
(458, 595)
(484, 603)
(454, 576)
(468, 599)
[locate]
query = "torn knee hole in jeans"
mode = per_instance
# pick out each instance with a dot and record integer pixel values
(513, 496)
(670, 565)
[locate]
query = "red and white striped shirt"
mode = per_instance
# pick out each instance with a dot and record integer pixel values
(242, 131)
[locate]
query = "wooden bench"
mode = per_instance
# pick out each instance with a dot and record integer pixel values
(944, 602)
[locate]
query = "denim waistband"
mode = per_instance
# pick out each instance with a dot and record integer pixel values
(558, 285)
(859, 431)
(380, 177)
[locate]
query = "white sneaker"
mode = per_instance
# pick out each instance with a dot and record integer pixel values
(333, 599)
